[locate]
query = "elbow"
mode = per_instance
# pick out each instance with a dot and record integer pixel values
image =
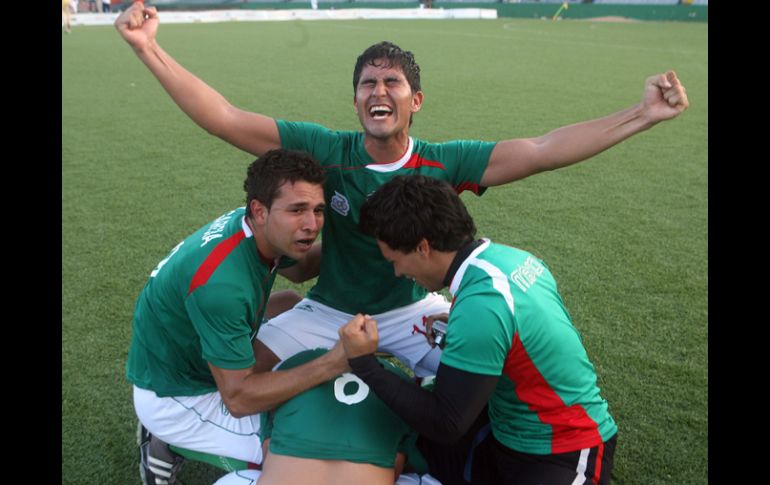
(293, 278)
(237, 413)
(237, 404)
(235, 407)
(447, 433)
(301, 272)
(220, 121)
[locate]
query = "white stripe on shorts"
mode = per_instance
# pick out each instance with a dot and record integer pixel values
(581, 468)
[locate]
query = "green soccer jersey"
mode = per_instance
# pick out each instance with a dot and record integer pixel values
(340, 419)
(354, 276)
(508, 319)
(203, 303)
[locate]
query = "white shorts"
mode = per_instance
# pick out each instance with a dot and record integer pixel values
(241, 477)
(199, 423)
(251, 477)
(311, 324)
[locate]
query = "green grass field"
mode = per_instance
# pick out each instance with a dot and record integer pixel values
(625, 233)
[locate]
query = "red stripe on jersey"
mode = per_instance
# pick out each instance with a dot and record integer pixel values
(467, 186)
(212, 261)
(571, 427)
(598, 466)
(416, 161)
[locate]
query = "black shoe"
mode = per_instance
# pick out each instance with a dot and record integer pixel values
(158, 465)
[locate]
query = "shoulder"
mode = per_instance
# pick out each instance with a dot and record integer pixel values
(312, 129)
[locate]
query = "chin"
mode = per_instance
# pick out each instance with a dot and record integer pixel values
(423, 285)
(377, 130)
(297, 255)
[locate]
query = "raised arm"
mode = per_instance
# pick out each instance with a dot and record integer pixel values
(251, 132)
(664, 98)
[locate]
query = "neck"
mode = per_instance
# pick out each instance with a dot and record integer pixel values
(457, 259)
(386, 150)
(443, 263)
(260, 242)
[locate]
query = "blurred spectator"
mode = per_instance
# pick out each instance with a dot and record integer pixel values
(66, 6)
(106, 6)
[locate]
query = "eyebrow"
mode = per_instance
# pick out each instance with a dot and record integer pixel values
(302, 205)
(389, 78)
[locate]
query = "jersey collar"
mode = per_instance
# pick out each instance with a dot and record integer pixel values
(271, 264)
(461, 261)
(393, 166)
(463, 254)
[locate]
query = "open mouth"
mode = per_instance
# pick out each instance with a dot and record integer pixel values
(305, 244)
(380, 111)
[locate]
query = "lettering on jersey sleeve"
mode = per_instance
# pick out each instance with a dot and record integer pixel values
(216, 228)
(525, 275)
(165, 260)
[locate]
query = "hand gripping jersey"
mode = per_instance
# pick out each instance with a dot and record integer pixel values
(203, 303)
(340, 419)
(508, 319)
(354, 275)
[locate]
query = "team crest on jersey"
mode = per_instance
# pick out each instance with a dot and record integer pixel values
(340, 203)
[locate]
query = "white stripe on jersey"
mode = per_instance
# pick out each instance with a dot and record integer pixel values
(393, 166)
(499, 279)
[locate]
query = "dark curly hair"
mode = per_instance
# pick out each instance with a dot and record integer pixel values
(268, 173)
(409, 208)
(392, 55)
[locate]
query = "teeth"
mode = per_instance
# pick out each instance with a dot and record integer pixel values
(380, 108)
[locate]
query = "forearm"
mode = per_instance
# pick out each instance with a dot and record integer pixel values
(197, 99)
(570, 144)
(261, 391)
(444, 415)
(519, 158)
(251, 132)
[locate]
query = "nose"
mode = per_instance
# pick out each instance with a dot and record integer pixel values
(379, 88)
(313, 221)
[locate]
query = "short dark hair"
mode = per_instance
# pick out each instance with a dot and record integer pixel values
(394, 56)
(409, 208)
(267, 173)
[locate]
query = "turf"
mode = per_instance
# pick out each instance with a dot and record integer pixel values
(625, 234)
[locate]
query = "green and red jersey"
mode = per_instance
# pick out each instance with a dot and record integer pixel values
(203, 303)
(508, 319)
(354, 276)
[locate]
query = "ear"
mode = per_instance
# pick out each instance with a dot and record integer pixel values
(258, 211)
(423, 248)
(417, 99)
